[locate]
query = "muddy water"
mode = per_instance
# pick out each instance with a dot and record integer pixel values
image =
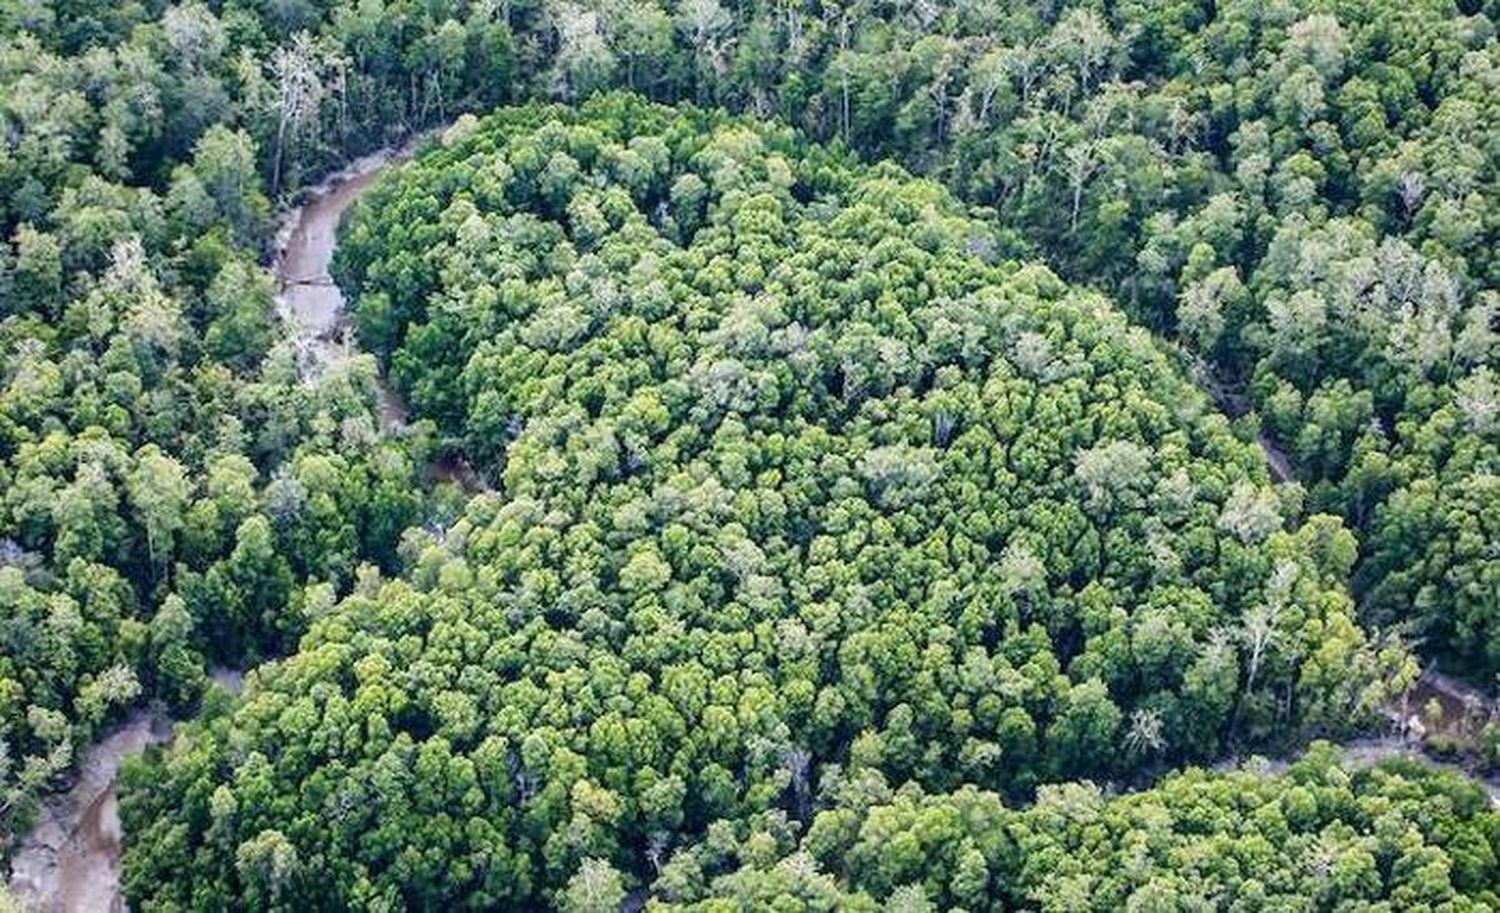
(70, 861)
(314, 309)
(309, 298)
(310, 304)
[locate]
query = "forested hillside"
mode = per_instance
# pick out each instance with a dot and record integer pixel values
(864, 412)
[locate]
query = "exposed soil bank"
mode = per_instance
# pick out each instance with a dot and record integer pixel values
(309, 302)
(70, 859)
(1367, 751)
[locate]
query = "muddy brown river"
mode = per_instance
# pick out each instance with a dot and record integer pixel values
(70, 860)
(311, 305)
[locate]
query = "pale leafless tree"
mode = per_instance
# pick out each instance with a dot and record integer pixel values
(297, 72)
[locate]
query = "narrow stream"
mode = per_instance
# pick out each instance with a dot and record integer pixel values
(1366, 751)
(70, 859)
(1234, 403)
(311, 305)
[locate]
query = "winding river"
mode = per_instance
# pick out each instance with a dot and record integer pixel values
(70, 861)
(311, 305)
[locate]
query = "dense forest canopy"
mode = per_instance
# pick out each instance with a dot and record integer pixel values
(846, 468)
(1298, 192)
(792, 478)
(1317, 837)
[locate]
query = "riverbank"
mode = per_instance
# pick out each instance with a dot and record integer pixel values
(70, 859)
(1366, 751)
(308, 301)
(312, 306)
(1362, 752)
(1406, 739)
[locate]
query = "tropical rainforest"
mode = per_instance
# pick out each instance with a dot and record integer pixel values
(907, 451)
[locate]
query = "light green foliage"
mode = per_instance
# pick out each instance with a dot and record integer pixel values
(1319, 836)
(803, 484)
(771, 477)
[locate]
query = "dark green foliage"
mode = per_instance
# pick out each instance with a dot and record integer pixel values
(793, 479)
(801, 479)
(1320, 836)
